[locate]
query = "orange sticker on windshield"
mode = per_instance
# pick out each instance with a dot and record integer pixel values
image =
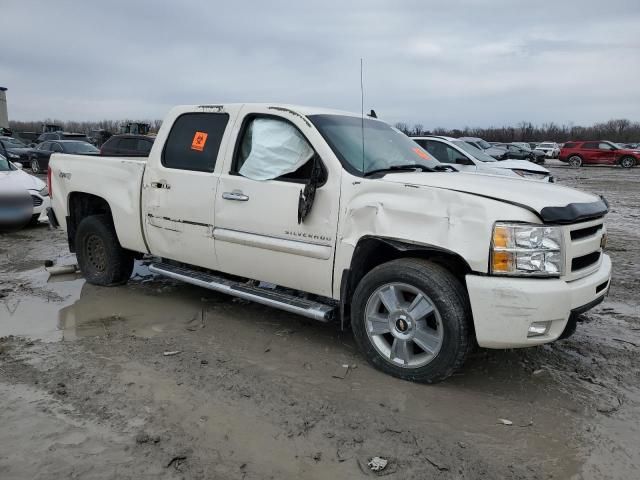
(199, 141)
(421, 153)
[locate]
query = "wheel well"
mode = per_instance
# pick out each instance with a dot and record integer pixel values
(82, 205)
(373, 251)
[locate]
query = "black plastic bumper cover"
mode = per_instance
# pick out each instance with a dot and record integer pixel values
(574, 317)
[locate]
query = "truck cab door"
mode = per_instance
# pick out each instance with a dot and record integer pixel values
(179, 187)
(261, 230)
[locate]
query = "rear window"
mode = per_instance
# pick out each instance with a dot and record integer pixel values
(570, 145)
(194, 141)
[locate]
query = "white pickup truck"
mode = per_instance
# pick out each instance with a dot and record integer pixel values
(338, 217)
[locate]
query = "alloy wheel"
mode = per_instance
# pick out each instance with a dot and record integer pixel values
(404, 325)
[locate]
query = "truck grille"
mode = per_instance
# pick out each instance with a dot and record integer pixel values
(37, 201)
(584, 261)
(585, 232)
(583, 248)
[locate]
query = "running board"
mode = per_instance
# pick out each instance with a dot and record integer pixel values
(272, 298)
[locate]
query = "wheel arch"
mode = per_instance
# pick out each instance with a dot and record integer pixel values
(372, 251)
(79, 206)
(633, 159)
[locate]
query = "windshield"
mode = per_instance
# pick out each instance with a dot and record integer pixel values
(545, 145)
(80, 147)
(483, 144)
(474, 151)
(13, 143)
(384, 147)
(5, 166)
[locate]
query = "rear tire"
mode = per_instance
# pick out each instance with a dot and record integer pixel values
(100, 257)
(421, 331)
(575, 161)
(627, 162)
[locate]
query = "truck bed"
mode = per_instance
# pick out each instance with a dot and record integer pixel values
(118, 180)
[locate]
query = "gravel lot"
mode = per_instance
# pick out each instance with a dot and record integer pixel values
(87, 390)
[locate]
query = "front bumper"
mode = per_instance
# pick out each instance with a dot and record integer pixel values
(504, 308)
(40, 204)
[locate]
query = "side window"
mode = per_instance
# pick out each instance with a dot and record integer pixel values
(604, 146)
(144, 146)
(56, 148)
(43, 146)
(590, 145)
(194, 141)
(271, 149)
(128, 144)
(569, 145)
(442, 153)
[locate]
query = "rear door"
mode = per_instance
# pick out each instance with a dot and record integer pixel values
(590, 152)
(179, 188)
(257, 228)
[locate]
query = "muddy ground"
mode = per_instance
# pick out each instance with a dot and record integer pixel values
(87, 392)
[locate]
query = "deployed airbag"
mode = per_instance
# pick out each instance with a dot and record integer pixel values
(277, 148)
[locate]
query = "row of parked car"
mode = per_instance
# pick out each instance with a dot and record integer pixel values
(485, 154)
(477, 155)
(36, 155)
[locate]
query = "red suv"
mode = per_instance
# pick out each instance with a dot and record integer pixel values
(602, 152)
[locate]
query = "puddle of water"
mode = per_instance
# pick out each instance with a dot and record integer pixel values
(139, 308)
(32, 313)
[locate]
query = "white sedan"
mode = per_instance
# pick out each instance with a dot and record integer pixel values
(13, 178)
(471, 159)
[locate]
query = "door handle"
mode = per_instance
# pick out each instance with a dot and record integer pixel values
(160, 184)
(236, 195)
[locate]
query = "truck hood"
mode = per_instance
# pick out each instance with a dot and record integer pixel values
(550, 202)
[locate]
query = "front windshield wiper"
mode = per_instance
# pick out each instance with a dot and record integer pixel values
(401, 168)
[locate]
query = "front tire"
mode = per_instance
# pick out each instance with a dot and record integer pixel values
(100, 257)
(411, 319)
(575, 161)
(627, 162)
(35, 166)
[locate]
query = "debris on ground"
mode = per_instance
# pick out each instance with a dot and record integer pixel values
(504, 421)
(171, 353)
(439, 465)
(62, 269)
(377, 464)
(177, 461)
(341, 371)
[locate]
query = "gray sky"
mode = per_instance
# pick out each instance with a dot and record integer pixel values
(475, 63)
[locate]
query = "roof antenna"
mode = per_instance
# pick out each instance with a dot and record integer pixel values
(362, 113)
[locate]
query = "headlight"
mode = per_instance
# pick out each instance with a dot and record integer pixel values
(44, 192)
(527, 250)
